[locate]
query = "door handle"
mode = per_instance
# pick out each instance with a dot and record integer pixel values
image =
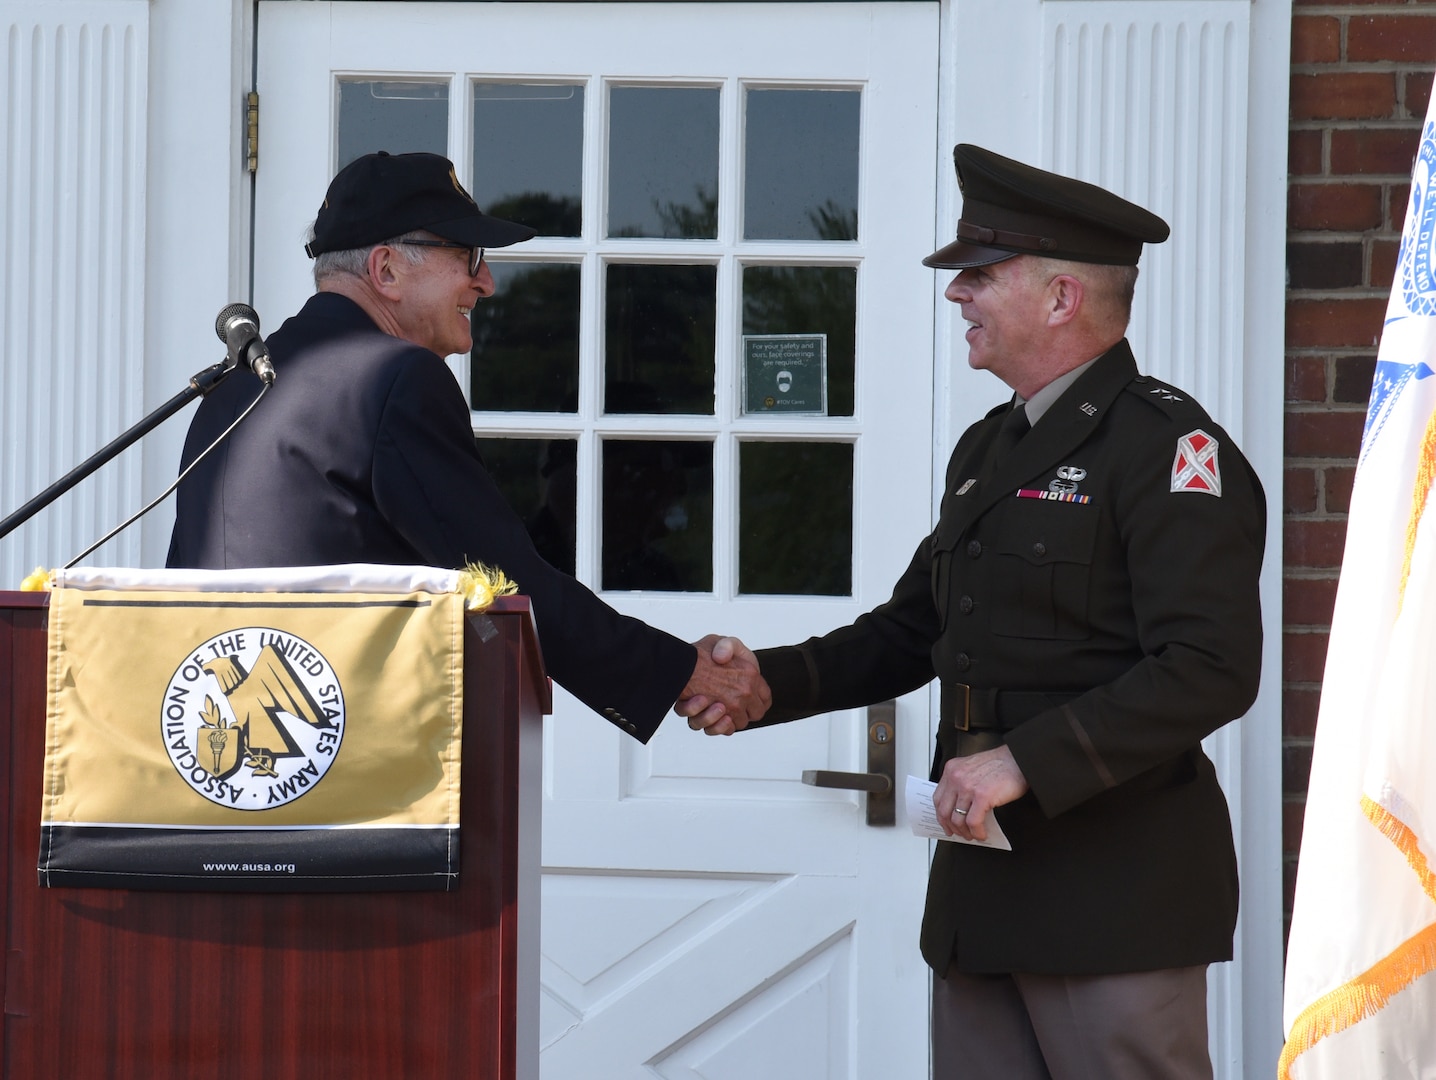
(880, 780)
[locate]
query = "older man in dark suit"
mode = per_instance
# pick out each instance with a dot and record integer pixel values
(1089, 603)
(363, 451)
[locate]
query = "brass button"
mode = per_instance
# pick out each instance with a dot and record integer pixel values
(1039, 548)
(974, 548)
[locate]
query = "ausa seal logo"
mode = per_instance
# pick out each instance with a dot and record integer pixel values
(253, 718)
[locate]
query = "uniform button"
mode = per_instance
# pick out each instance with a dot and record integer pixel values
(963, 661)
(965, 605)
(974, 548)
(632, 728)
(611, 713)
(1039, 549)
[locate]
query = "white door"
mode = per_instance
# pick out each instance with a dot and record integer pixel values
(707, 383)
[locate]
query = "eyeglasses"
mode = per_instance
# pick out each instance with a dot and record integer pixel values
(476, 254)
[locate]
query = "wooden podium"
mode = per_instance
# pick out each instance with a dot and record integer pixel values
(390, 986)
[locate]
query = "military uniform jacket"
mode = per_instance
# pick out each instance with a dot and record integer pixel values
(1097, 590)
(363, 452)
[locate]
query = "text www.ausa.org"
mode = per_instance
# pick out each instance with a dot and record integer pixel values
(250, 867)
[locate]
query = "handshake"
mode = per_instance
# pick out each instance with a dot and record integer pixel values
(726, 692)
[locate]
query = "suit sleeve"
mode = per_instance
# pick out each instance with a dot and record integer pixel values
(1194, 563)
(430, 483)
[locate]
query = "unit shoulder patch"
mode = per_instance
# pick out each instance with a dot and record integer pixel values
(1196, 466)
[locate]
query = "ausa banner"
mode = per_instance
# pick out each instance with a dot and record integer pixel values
(254, 730)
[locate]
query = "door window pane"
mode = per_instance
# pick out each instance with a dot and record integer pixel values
(528, 154)
(663, 162)
(658, 515)
(801, 165)
(795, 518)
(525, 356)
(658, 339)
(402, 117)
(538, 478)
(808, 300)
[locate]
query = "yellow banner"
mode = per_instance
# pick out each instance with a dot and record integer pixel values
(196, 710)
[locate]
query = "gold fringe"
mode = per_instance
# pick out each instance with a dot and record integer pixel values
(480, 584)
(1421, 491)
(1400, 834)
(38, 581)
(1368, 993)
(1362, 997)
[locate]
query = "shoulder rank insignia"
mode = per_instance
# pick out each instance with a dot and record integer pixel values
(1195, 468)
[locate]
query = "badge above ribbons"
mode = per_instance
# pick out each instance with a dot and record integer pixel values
(256, 730)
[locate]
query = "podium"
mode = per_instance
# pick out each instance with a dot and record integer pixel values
(137, 985)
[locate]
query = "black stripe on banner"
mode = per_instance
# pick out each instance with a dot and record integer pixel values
(299, 860)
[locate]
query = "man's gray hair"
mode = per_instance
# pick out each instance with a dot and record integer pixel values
(1113, 286)
(352, 261)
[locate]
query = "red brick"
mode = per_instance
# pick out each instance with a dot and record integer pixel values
(1298, 712)
(1398, 196)
(1416, 92)
(1382, 271)
(1391, 37)
(1345, 207)
(1337, 481)
(1293, 815)
(1315, 39)
(1354, 322)
(1303, 153)
(1374, 150)
(1295, 768)
(1307, 601)
(1306, 378)
(1324, 434)
(1351, 379)
(1299, 491)
(1313, 545)
(1344, 95)
(1325, 265)
(1303, 657)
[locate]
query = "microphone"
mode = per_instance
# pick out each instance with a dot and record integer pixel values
(238, 327)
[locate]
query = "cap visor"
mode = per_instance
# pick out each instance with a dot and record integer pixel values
(482, 231)
(959, 255)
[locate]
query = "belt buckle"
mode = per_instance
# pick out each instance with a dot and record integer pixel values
(966, 708)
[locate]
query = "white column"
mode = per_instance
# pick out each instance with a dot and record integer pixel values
(72, 267)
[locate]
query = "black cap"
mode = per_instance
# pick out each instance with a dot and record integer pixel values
(1009, 208)
(380, 196)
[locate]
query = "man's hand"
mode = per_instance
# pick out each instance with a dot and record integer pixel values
(727, 691)
(971, 786)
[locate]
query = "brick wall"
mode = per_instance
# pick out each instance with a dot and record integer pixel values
(1361, 76)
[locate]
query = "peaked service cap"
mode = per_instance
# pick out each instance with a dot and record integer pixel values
(1009, 208)
(383, 195)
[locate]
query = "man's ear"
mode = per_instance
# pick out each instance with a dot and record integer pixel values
(1065, 296)
(384, 271)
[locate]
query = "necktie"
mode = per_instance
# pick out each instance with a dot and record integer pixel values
(1014, 426)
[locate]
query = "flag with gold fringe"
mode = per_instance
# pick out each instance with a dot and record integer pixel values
(256, 730)
(1360, 996)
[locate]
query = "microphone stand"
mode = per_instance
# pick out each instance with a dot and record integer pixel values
(199, 385)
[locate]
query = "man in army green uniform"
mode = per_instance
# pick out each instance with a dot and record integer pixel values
(1089, 603)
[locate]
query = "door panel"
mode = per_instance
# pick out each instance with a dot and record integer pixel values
(725, 193)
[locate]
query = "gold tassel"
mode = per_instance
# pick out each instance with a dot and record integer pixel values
(480, 584)
(39, 581)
